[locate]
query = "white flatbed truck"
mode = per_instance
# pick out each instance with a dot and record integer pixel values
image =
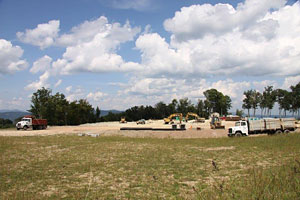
(265, 125)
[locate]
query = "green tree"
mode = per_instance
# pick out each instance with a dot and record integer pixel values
(200, 109)
(269, 96)
(247, 101)
(283, 99)
(255, 100)
(161, 109)
(239, 112)
(172, 107)
(40, 103)
(217, 102)
(185, 106)
(295, 100)
(98, 112)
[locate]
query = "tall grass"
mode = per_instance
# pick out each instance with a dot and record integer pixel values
(74, 167)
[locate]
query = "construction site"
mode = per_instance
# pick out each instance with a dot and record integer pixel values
(174, 126)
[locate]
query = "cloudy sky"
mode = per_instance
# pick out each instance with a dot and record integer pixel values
(121, 53)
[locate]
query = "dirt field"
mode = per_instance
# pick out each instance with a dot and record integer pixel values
(113, 128)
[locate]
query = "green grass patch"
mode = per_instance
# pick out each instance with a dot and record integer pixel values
(73, 167)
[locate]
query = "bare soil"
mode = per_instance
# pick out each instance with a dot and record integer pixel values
(113, 128)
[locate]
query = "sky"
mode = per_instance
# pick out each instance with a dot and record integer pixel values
(122, 53)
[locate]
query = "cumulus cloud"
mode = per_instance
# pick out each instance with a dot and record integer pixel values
(41, 64)
(198, 20)
(289, 81)
(74, 94)
(92, 46)
(96, 96)
(43, 35)
(42, 82)
(152, 90)
(10, 58)
(257, 38)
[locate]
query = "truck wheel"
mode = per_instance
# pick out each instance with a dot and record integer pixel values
(278, 132)
(25, 128)
(286, 131)
(18, 128)
(238, 134)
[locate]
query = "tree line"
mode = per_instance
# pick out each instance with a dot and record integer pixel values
(59, 111)
(288, 101)
(5, 123)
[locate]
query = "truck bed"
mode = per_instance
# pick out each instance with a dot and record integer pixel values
(39, 122)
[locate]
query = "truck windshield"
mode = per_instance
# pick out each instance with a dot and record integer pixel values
(26, 120)
(237, 123)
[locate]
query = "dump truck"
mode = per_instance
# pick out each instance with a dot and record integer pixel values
(29, 121)
(265, 125)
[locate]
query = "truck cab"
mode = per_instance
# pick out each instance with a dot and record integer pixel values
(240, 129)
(25, 123)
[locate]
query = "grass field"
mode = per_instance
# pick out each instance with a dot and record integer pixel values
(74, 167)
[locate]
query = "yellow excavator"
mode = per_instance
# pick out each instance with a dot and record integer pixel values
(169, 119)
(215, 122)
(198, 119)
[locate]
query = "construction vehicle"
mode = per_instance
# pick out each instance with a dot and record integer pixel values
(198, 119)
(266, 125)
(170, 118)
(29, 121)
(141, 121)
(123, 120)
(215, 122)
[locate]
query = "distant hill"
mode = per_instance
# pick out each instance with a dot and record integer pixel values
(105, 112)
(12, 115)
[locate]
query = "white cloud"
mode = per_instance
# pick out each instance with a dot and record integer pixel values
(92, 46)
(42, 82)
(152, 90)
(260, 37)
(10, 58)
(58, 83)
(68, 89)
(290, 81)
(41, 64)
(198, 20)
(97, 96)
(73, 95)
(43, 35)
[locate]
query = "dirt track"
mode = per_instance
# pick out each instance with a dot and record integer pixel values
(113, 128)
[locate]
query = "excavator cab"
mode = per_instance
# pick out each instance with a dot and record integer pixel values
(169, 119)
(198, 119)
(215, 122)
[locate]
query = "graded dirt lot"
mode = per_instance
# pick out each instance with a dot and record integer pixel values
(113, 128)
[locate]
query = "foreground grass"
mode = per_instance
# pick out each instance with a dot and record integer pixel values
(74, 167)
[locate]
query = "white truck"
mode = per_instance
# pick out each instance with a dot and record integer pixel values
(29, 121)
(265, 125)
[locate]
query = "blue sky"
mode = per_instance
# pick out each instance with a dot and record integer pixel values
(121, 53)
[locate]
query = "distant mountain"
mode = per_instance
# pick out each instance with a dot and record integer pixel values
(12, 115)
(105, 112)
(14, 110)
